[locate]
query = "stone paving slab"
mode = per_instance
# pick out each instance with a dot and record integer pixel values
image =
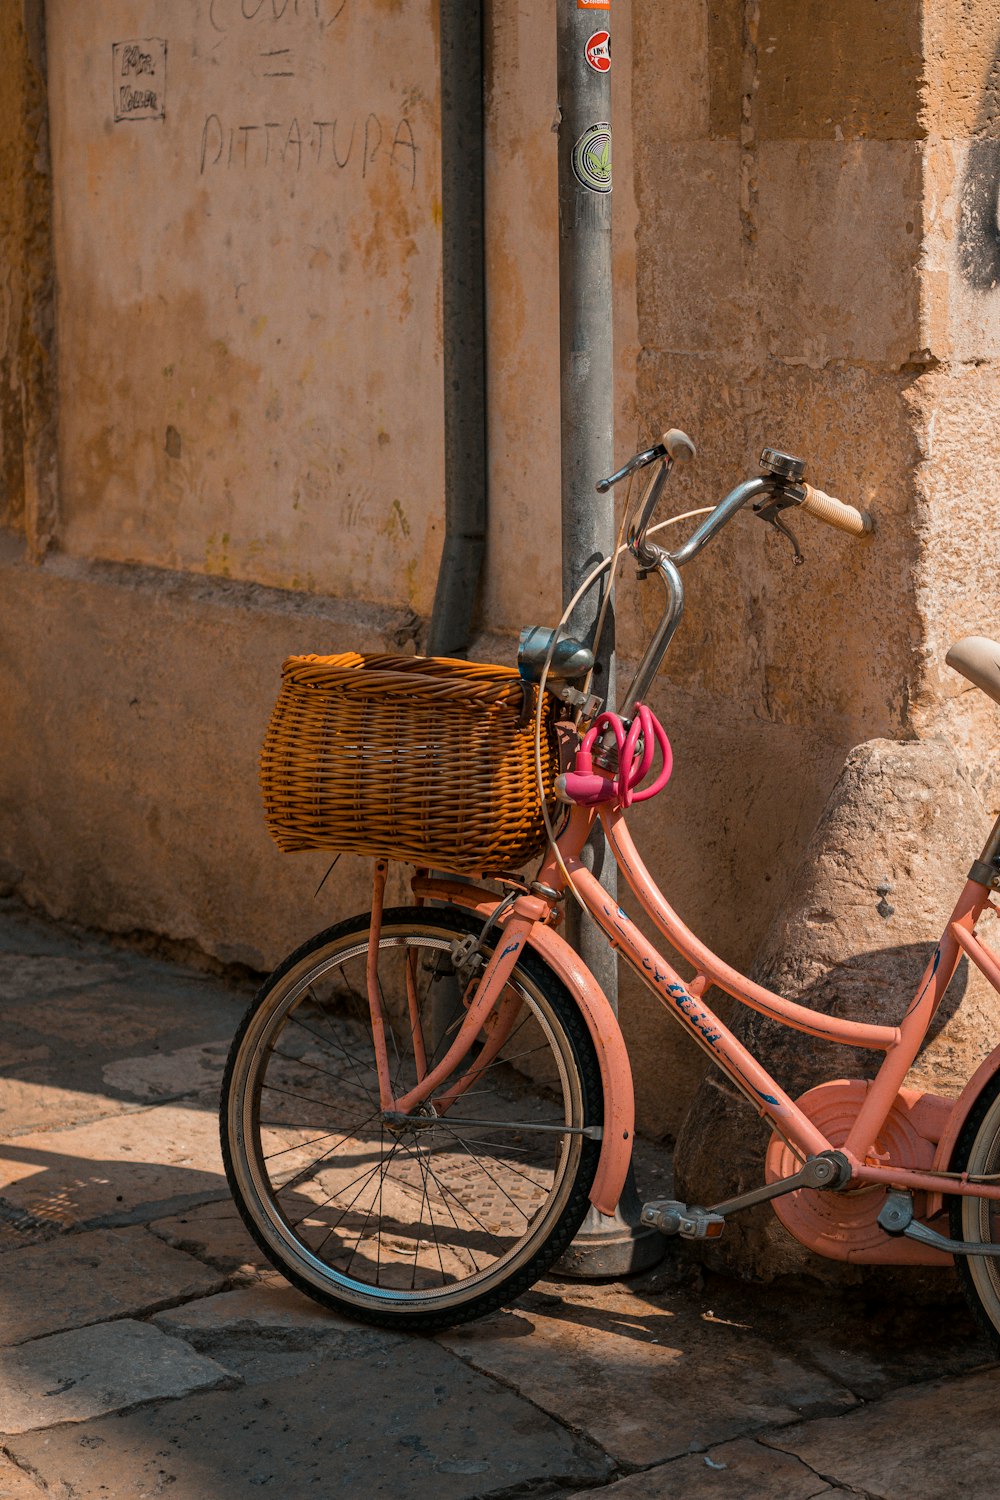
(269, 1307)
(113, 1165)
(33, 979)
(925, 1443)
(649, 1380)
(73, 1377)
(30, 1102)
(741, 1470)
(88, 1278)
(871, 1342)
(21, 931)
(411, 1426)
(195, 1071)
(215, 1233)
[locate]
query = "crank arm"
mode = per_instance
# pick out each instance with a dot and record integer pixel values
(897, 1218)
(828, 1170)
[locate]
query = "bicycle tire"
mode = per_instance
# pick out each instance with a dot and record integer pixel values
(469, 1217)
(977, 1150)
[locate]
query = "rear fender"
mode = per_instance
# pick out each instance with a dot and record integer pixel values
(601, 1022)
(961, 1110)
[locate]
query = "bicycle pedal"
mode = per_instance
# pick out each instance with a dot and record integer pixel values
(671, 1217)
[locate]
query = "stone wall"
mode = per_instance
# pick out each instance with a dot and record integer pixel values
(869, 225)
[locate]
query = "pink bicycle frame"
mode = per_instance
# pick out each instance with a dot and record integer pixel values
(528, 923)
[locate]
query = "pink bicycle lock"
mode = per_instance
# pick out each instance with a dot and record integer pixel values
(588, 787)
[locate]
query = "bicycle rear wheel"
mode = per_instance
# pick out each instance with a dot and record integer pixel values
(442, 1219)
(978, 1219)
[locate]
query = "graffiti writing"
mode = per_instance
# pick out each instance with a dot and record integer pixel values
(225, 14)
(979, 202)
(371, 144)
(139, 77)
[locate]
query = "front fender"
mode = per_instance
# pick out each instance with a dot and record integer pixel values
(601, 1022)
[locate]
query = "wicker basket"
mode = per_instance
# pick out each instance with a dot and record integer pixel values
(420, 759)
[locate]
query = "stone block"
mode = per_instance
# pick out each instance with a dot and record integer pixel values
(73, 1377)
(15, 1484)
(215, 1233)
(39, 978)
(584, 1355)
(696, 844)
(957, 409)
(693, 287)
(88, 1278)
(838, 232)
(960, 90)
(961, 275)
(828, 645)
(903, 816)
(270, 1307)
(114, 1167)
(28, 1102)
(411, 1421)
(741, 1470)
(248, 445)
(851, 71)
(925, 1441)
(187, 1072)
(198, 867)
(727, 67)
(671, 70)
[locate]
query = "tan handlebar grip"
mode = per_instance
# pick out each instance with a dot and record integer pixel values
(836, 513)
(678, 445)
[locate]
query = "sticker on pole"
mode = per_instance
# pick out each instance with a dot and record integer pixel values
(599, 51)
(592, 159)
(593, 4)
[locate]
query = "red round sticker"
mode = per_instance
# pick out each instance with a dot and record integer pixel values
(599, 51)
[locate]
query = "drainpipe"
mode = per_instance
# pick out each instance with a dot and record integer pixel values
(464, 316)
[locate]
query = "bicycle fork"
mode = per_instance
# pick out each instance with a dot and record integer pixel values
(526, 911)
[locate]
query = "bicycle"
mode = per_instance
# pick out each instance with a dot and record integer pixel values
(414, 1161)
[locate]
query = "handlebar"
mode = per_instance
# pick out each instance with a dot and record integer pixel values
(778, 488)
(674, 445)
(836, 512)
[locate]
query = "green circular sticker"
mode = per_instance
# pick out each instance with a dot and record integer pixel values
(592, 159)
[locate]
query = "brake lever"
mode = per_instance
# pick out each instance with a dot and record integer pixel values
(638, 462)
(771, 513)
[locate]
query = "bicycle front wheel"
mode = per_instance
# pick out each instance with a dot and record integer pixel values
(978, 1219)
(444, 1217)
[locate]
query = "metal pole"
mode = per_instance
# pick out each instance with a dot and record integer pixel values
(604, 1247)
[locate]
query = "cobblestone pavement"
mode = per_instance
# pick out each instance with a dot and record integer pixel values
(147, 1350)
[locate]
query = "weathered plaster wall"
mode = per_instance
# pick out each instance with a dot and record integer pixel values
(250, 376)
(134, 703)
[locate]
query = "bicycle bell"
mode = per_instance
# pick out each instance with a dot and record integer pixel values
(782, 465)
